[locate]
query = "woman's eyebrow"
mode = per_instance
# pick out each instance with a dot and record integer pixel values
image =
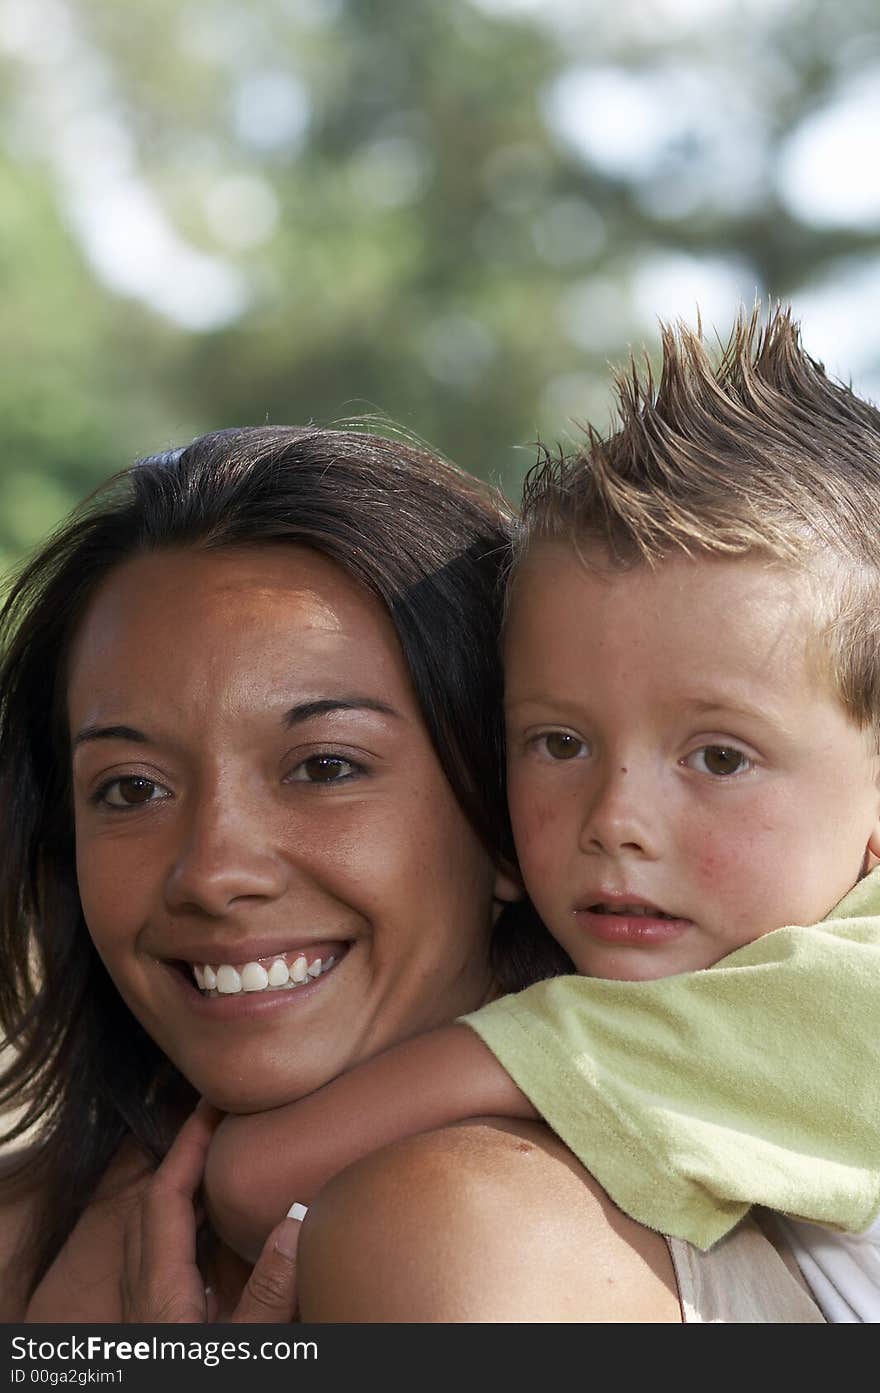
(109, 733)
(304, 711)
(307, 710)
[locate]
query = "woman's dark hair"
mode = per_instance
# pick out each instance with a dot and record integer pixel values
(429, 541)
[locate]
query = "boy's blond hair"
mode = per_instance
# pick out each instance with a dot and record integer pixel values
(755, 452)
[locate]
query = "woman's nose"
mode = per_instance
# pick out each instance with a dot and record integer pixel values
(622, 815)
(224, 856)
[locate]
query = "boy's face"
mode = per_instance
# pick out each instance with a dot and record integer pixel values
(683, 776)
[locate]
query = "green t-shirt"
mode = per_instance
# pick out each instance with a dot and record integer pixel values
(755, 1081)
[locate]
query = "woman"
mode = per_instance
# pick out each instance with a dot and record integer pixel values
(249, 717)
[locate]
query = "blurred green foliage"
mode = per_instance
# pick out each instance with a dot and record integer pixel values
(387, 209)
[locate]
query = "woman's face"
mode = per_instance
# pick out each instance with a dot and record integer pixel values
(255, 790)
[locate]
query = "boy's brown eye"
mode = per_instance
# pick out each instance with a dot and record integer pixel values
(721, 759)
(562, 746)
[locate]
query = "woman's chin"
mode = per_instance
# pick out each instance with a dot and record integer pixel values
(251, 1051)
(262, 1090)
(239, 1108)
(269, 1079)
(257, 1099)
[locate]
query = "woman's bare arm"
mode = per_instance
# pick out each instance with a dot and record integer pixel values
(488, 1221)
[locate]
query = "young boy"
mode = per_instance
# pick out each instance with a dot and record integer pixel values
(693, 715)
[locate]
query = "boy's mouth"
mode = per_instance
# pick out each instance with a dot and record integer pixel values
(620, 921)
(631, 911)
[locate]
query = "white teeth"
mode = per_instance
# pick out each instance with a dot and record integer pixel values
(254, 977)
(228, 980)
(278, 973)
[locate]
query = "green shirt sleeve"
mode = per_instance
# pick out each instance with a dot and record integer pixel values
(756, 1081)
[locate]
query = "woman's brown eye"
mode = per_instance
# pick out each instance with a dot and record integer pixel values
(134, 791)
(326, 769)
(721, 759)
(562, 746)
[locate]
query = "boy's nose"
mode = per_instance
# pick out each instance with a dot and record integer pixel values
(621, 815)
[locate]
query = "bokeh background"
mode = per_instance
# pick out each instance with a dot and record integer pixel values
(450, 214)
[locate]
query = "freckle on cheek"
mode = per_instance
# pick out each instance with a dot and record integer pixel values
(713, 865)
(536, 844)
(541, 818)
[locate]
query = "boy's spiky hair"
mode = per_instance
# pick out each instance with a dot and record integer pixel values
(754, 452)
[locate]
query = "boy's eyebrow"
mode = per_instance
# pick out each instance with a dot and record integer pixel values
(704, 706)
(532, 699)
(698, 706)
(308, 710)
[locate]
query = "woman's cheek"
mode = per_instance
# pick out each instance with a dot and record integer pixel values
(102, 883)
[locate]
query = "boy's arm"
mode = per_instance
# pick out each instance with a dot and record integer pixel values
(691, 1098)
(260, 1163)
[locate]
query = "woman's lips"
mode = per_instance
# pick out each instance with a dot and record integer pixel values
(231, 1003)
(279, 972)
(640, 928)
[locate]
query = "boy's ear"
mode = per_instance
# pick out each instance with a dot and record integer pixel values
(872, 851)
(508, 887)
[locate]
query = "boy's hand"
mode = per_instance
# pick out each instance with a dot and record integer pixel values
(161, 1281)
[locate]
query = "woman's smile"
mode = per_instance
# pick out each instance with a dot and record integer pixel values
(278, 973)
(230, 991)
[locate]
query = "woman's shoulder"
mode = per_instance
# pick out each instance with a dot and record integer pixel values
(490, 1220)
